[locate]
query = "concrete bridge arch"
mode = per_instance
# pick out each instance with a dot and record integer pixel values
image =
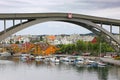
(88, 23)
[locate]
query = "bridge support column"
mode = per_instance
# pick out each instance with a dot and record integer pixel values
(111, 28)
(110, 31)
(13, 22)
(4, 32)
(4, 26)
(101, 25)
(100, 45)
(119, 33)
(20, 21)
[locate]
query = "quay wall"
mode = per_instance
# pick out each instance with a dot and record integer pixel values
(111, 61)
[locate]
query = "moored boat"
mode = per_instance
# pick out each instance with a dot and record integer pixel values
(5, 54)
(79, 61)
(39, 58)
(54, 59)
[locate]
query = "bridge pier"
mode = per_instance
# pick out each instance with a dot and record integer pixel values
(119, 33)
(13, 22)
(4, 28)
(110, 32)
(111, 28)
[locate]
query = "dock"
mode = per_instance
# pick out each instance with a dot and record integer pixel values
(111, 61)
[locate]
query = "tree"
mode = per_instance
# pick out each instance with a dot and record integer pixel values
(82, 46)
(17, 42)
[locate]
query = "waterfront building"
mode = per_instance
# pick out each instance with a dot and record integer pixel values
(51, 39)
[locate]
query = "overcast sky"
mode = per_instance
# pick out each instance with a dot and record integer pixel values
(101, 8)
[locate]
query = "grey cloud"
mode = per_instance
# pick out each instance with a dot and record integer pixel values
(58, 5)
(97, 4)
(82, 5)
(13, 3)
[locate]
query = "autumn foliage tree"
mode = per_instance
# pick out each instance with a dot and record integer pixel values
(37, 49)
(51, 50)
(15, 48)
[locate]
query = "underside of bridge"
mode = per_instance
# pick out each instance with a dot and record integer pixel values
(88, 22)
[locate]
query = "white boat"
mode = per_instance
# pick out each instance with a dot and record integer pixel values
(47, 59)
(5, 54)
(79, 61)
(39, 58)
(91, 63)
(68, 60)
(54, 59)
(25, 57)
(101, 64)
(88, 61)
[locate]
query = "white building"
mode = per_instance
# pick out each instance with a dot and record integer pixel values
(14, 39)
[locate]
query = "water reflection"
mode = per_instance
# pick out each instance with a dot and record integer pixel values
(31, 70)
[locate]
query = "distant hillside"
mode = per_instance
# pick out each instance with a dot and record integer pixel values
(92, 34)
(88, 34)
(115, 33)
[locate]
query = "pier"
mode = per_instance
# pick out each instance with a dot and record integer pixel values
(111, 61)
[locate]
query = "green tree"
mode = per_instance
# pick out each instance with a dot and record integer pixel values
(17, 42)
(82, 46)
(41, 38)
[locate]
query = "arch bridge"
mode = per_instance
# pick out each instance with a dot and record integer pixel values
(92, 23)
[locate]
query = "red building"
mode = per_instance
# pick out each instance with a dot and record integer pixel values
(94, 40)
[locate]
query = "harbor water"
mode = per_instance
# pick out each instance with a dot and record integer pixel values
(31, 70)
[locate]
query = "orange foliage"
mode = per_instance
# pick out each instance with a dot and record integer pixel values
(15, 47)
(51, 50)
(35, 48)
(27, 47)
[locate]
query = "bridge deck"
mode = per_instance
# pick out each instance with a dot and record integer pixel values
(94, 19)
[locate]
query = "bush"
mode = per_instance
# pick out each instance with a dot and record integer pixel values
(117, 58)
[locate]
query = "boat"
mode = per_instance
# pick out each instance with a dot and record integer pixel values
(25, 57)
(91, 63)
(101, 64)
(54, 59)
(39, 58)
(5, 54)
(68, 60)
(46, 59)
(79, 61)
